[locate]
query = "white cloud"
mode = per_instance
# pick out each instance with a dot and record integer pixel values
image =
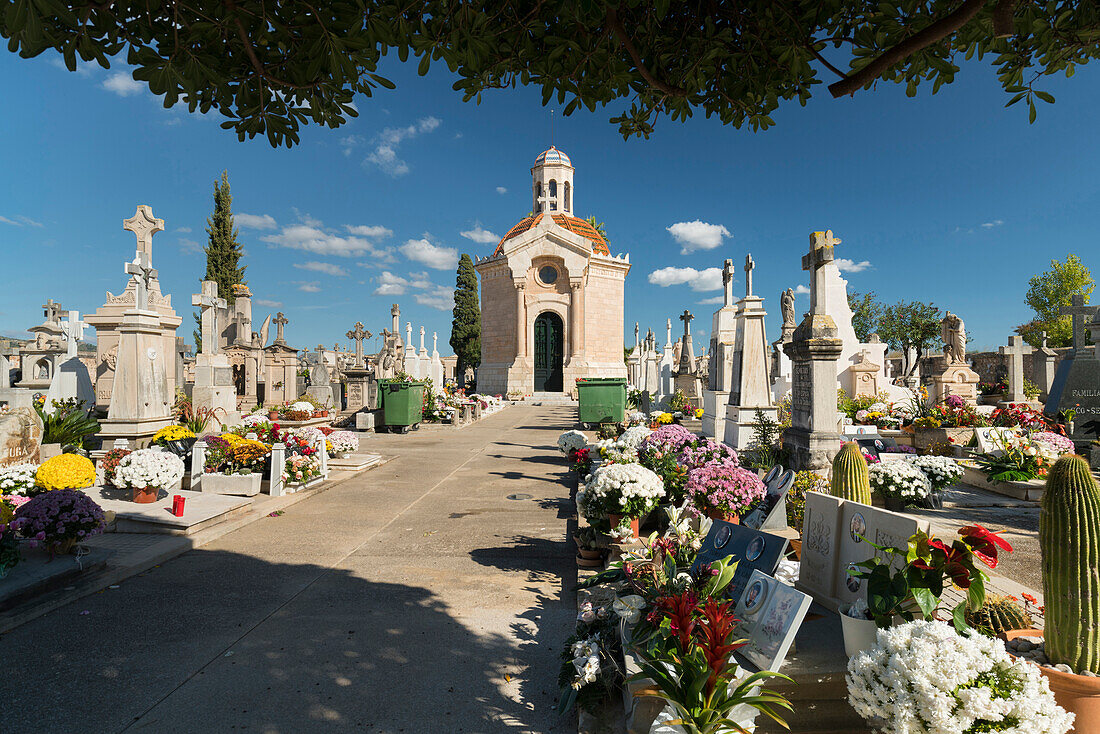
(385, 155)
(390, 284)
(83, 68)
(434, 256)
(20, 221)
(373, 231)
(711, 301)
(268, 303)
(349, 143)
(255, 221)
(502, 190)
(183, 230)
(312, 286)
(122, 84)
(430, 294)
(310, 235)
(319, 267)
(480, 235)
(845, 265)
(697, 235)
(801, 290)
(172, 122)
(709, 279)
(190, 246)
(994, 223)
(440, 296)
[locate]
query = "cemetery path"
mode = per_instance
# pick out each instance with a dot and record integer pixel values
(416, 597)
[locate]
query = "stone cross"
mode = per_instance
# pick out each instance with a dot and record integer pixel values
(73, 329)
(820, 254)
(668, 333)
(51, 311)
(1015, 351)
(280, 321)
(422, 338)
(408, 334)
(686, 317)
(207, 298)
(142, 268)
(435, 339)
(749, 265)
(182, 347)
(358, 335)
(1078, 311)
(637, 340)
(143, 224)
(727, 282)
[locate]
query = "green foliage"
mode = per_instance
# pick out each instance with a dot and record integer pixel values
(270, 68)
(850, 480)
(223, 252)
(67, 422)
(466, 324)
(599, 227)
(1047, 294)
(804, 481)
(866, 311)
(910, 324)
(679, 403)
(763, 448)
(1069, 538)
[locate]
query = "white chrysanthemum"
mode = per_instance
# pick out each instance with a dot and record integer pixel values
(149, 468)
(571, 441)
(924, 678)
(940, 470)
(622, 488)
(899, 479)
(17, 478)
(302, 405)
(632, 437)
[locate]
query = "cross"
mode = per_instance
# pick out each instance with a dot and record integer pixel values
(279, 321)
(668, 333)
(636, 338)
(1016, 350)
(820, 254)
(142, 269)
(358, 335)
(182, 347)
(73, 329)
(686, 317)
(143, 224)
(422, 338)
(749, 265)
(727, 282)
(1043, 334)
(408, 334)
(1078, 311)
(207, 298)
(435, 342)
(51, 310)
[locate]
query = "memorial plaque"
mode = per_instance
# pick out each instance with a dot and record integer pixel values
(770, 513)
(988, 438)
(769, 614)
(20, 437)
(751, 549)
(859, 523)
(854, 430)
(820, 530)
(874, 444)
(1077, 387)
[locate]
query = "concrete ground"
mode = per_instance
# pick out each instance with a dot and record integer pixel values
(418, 597)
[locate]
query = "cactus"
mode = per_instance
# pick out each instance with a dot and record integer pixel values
(1069, 538)
(998, 614)
(849, 480)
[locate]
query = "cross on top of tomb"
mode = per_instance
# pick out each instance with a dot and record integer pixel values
(727, 282)
(686, 317)
(280, 321)
(1078, 311)
(820, 254)
(51, 311)
(73, 329)
(749, 265)
(358, 334)
(207, 299)
(144, 272)
(143, 224)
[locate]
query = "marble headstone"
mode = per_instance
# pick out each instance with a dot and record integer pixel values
(20, 436)
(751, 549)
(858, 524)
(769, 614)
(820, 528)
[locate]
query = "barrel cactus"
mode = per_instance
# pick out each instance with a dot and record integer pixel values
(997, 615)
(849, 480)
(1069, 538)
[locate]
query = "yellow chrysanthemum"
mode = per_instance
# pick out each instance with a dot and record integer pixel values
(172, 433)
(698, 412)
(665, 418)
(67, 471)
(233, 438)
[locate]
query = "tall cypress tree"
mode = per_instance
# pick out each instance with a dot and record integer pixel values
(223, 252)
(466, 325)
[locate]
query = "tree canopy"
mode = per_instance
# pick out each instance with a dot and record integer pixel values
(866, 312)
(908, 324)
(1047, 294)
(270, 68)
(466, 324)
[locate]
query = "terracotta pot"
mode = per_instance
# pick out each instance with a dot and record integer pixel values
(272, 415)
(590, 554)
(1078, 694)
(615, 519)
(719, 515)
(796, 548)
(145, 495)
(324, 414)
(583, 562)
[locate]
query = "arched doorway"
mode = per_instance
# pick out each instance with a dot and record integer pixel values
(549, 333)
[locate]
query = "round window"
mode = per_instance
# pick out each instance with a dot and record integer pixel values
(548, 274)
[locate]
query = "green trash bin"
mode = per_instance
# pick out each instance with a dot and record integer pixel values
(601, 399)
(402, 403)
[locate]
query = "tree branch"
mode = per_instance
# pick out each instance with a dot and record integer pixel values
(1002, 18)
(617, 28)
(933, 33)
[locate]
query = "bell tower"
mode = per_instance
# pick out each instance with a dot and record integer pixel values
(552, 183)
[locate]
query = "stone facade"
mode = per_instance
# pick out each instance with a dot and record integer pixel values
(551, 263)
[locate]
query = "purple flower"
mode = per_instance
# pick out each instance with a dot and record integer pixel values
(724, 487)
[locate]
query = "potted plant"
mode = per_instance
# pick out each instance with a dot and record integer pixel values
(17, 480)
(623, 492)
(589, 554)
(343, 443)
(899, 483)
(590, 673)
(724, 490)
(927, 676)
(109, 464)
(301, 469)
(234, 466)
(148, 472)
(64, 423)
(58, 519)
(660, 452)
(65, 471)
(177, 439)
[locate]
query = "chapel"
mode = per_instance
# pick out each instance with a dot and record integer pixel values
(551, 295)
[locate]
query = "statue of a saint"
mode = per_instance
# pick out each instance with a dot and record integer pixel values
(786, 302)
(953, 332)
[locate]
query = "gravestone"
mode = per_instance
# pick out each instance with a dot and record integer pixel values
(665, 379)
(723, 330)
(989, 438)
(820, 535)
(751, 549)
(213, 376)
(1077, 382)
(72, 380)
(686, 376)
(1015, 352)
(770, 513)
(750, 385)
(281, 367)
(874, 445)
(881, 527)
(1043, 363)
(769, 614)
(320, 381)
(361, 386)
(20, 436)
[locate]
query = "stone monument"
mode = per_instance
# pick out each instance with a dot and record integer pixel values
(362, 388)
(1015, 352)
(750, 389)
(723, 330)
(812, 439)
(953, 375)
(213, 388)
(781, 364)
(72, 380)
(686, 377)
(1076, 385)
(320, 381)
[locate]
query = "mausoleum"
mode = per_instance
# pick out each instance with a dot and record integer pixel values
(551, 295)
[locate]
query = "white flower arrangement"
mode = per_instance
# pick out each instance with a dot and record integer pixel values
(17, 478)
(924, 678)
(586, 661)
(1052, 445)
(344, 442)
(571, 441)
(623, 489)
(632, 437)
(302, 405)
(254, 419)
(309, 434)
(940, 470)
(148, 469)
(899, 479)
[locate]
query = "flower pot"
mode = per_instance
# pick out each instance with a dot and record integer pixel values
(272, 415)
(145, 495)
(796, 548)
(245, 485)
(583, 562)
(590, 554)
(615, 519)
(719, 515)
(1078, 694)
(894, 504)
(63, 547)
(859, 634)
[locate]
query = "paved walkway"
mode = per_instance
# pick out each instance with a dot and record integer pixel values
(415, 598)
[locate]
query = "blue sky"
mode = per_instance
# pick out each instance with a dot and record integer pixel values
(948, 198)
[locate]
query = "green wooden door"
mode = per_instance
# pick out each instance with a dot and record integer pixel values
(549, 348)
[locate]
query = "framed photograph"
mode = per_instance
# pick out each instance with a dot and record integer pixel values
(722, 537)
(754, 549)
(755, 596)
(858, 527)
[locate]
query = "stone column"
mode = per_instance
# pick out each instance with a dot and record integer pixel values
(521, 320)
(276, 488)
(574, 319)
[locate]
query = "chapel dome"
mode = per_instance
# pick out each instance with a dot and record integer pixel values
(553, 156)
(573, 224)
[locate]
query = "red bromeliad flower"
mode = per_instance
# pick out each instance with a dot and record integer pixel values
(984, 544)
(680, 609)
(713, 636)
